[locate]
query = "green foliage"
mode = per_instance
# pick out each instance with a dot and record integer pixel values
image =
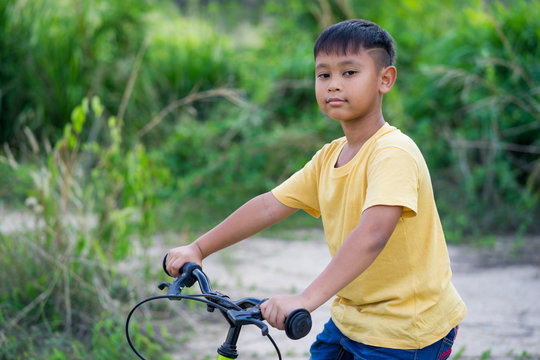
(221, 164)
(107, 341)
(52, 55)
(183, 57)
(481, 86)
(14, 182)
(140, 58)
(61, 268)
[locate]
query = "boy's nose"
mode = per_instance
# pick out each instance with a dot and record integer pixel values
(333, 87)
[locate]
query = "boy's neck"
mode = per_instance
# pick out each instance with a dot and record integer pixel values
(358, 132)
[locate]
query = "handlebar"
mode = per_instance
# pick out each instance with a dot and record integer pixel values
(238, 313)
(242, 312)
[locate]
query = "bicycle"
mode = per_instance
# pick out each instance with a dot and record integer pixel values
(238, 313)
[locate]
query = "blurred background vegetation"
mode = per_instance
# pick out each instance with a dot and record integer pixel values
(123, 119)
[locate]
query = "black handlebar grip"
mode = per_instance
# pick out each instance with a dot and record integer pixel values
(298, 324)
(164, 265)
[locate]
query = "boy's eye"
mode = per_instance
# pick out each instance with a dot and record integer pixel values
(349, 73)
(323, 76)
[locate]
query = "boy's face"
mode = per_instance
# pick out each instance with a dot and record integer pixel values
(348, 87)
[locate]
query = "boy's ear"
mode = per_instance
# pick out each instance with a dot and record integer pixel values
(388, 77)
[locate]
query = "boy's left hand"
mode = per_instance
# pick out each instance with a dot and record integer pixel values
(276, 309)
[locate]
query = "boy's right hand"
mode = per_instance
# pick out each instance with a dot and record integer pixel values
(178, 256)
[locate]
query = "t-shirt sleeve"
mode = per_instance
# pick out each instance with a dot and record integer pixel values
(300, 191)
(393, 180)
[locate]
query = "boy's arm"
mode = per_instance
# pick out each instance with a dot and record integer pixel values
(358, 251)
(252, 217)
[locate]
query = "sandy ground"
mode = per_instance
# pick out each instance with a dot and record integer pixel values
(503, 302)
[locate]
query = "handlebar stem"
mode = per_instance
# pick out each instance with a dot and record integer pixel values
(228, 348)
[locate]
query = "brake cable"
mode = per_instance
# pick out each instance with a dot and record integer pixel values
(196, 297)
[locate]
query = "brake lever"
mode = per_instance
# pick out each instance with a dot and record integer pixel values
(251, 316)
(248, 302)
(173, 289)
(162, 285)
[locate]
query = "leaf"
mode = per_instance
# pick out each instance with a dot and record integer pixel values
(97, 106)
(99, 251)
(77, 119)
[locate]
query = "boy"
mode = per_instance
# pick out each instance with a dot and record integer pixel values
(390, 267)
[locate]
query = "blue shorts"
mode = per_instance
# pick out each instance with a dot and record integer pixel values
(331, 344)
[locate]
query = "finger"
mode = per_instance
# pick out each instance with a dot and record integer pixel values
(281, 322)
(177, 266)
(173, 267)
(168, 264)
(266, 311)
(269, 315)
(266, 308)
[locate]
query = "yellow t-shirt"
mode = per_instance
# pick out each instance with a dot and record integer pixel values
(404, 299)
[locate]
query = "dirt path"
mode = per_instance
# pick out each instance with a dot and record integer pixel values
(503, 302)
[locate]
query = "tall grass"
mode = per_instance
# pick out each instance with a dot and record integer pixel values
(482, 90)
(54, 54)
(59, 277)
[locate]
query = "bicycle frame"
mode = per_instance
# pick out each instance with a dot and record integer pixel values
(221, 357)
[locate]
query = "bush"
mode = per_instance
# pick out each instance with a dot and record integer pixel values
(184, 58)
(54, 54)
(105, 341)
(61, 269)
(231, 158)
(15, 182)
(479, 123)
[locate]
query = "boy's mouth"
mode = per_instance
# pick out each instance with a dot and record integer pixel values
(335, 101)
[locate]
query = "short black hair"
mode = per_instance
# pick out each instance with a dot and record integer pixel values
(351, 36)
